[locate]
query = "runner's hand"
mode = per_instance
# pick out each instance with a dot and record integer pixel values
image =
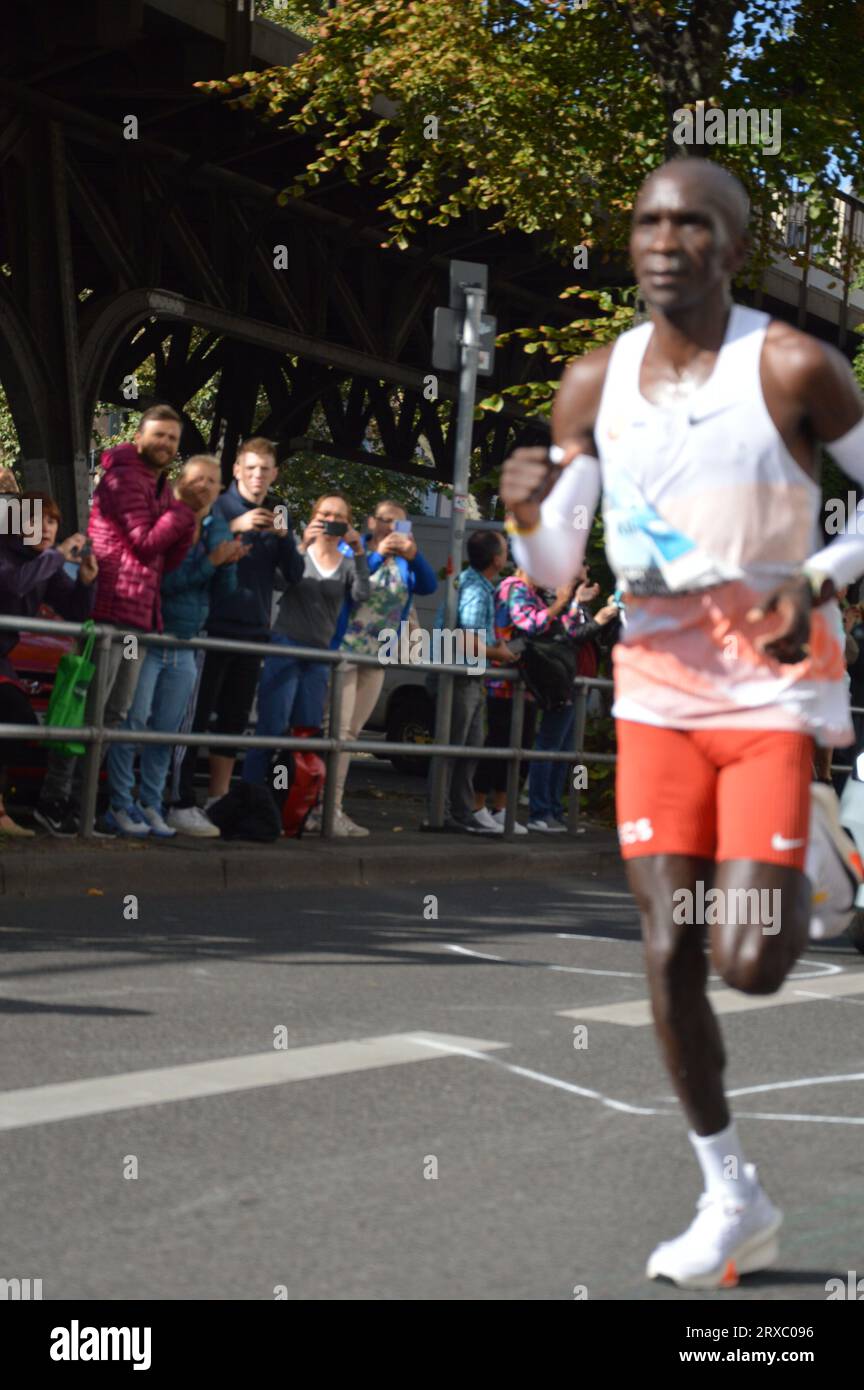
(526, 478)
(792, 602)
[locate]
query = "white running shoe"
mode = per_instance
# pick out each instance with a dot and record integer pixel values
(728, 1238)
(188, 820)
(312, 824)
(155, 820)
(481, 823)
(833, 866)
(498, 817)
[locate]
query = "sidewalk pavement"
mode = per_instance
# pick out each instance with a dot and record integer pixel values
(396, 851)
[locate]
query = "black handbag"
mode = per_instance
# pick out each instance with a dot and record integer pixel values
(549, 665)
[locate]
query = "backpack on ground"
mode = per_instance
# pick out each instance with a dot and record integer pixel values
(304, 787)
(247, 812)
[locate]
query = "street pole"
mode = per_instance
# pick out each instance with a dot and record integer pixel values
(474, 300)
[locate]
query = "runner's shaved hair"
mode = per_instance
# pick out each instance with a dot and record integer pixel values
(716, 184)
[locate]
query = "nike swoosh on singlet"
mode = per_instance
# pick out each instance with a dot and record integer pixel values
(697, 416)
(778, 842)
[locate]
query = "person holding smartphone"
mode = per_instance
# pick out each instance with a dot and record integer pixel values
(30, 576)
(398, 573)
(292, 693)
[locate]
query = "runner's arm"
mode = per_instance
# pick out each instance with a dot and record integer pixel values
(553, 503)
(824, 382)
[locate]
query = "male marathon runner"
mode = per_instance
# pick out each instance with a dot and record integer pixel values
(705, 425)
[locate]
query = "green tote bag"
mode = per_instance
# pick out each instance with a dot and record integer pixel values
(69, 697)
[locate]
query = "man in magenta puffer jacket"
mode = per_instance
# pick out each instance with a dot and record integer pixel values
(139, 530)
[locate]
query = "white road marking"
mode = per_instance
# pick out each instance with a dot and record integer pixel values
(624, 1106)
(99, 1095)
(580, 936)
(811, 994)
(545, 1079)
(819, 968)
(802, 1119)
(543, 965)
(636, 1013)
(799, 1081)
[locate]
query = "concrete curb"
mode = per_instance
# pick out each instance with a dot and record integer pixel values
(72, 869)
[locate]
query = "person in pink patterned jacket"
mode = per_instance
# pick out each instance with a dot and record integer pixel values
(138, 531)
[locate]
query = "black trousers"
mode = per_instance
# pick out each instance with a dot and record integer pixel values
(491, 775)
(228, 684)
(15, 708)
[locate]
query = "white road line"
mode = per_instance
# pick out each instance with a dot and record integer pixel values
(800, 1081)
(545, 1079)
(811, 994)
(580, 936)
(636, 1013)
(623, 1106)
(801, 1119)
(820, 968)
(543, 965)
(99, 1095)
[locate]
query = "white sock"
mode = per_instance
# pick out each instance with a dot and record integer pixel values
(210, 801)
(722, 1162)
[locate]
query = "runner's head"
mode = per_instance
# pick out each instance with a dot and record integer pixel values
(689, 233)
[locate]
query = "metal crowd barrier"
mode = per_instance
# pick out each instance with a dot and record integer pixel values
(96, 736)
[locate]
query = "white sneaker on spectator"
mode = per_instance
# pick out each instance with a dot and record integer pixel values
(498, 817)
(547, 827)
(188, 820)
(156, 821)
(481, 823)
(313, 822)
(127, 821)
(344, 825)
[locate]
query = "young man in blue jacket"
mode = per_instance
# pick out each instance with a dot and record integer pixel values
(167, 679)
(229, 680)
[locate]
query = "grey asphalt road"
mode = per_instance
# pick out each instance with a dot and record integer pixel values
(425, 1165)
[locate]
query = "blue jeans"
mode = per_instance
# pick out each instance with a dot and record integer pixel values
(164, 687)
(546, 781)
(291, 694)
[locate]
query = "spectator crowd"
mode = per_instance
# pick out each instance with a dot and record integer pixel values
(171, 553)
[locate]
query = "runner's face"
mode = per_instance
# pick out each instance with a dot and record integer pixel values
(681, 243)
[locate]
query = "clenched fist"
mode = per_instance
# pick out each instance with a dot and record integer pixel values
(526, 478)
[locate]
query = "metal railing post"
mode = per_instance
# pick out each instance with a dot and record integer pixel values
(517, 718)
(93, 756)
(329, 805)
(438, 769)
(581, 703)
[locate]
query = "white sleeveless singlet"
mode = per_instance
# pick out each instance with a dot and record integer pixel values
(705, 510)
